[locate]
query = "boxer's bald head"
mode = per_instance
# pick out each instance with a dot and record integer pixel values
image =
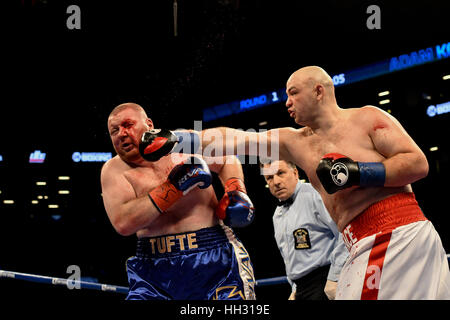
(310, 91)
(310, 76)
(128, 105)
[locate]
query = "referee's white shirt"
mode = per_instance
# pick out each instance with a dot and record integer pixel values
(306, 235)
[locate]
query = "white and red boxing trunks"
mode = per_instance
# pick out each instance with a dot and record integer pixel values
(395, 253)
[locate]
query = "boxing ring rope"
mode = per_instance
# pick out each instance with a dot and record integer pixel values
(108, 287)
(99, 286)
(62, 282)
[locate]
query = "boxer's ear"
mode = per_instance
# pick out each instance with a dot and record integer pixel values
(149, 122)
(319, 91)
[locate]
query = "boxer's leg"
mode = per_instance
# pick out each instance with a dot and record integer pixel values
(140, 288)
(240, 282)
(416, 266)
(352, 275)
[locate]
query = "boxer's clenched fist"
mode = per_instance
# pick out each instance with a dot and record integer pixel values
(337, 172)
(157, 143)
(235, 208)
(183, 178)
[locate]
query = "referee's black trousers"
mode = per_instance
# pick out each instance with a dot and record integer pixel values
(311, 286)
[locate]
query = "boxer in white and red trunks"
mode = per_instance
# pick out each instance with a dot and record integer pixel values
(395, 251)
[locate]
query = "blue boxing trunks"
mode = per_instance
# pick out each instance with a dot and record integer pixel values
(207, 264)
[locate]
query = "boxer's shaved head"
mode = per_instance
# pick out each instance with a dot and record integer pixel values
(310, 90)
(310, 76)
(128, 105)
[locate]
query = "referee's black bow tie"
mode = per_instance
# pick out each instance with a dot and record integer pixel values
(286, 203)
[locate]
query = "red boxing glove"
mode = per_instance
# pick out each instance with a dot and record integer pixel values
(235, 208)
(232, 184)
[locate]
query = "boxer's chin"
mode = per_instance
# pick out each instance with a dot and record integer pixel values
(130, 156)
(299, 121)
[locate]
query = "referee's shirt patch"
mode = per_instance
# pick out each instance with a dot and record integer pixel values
(301, 238)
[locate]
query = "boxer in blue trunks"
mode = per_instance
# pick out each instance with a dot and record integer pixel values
(186, 248)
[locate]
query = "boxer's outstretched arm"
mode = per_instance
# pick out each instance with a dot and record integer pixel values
(219, 142)
(404, 161)
(127, 213)
(228, 141)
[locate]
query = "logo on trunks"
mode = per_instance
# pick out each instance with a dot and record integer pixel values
(348, 237)
(228, 292)
(165, 244)
(339, 173)
(301, 238)
(232, 291)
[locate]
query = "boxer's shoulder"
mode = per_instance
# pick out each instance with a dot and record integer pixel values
(117, 167)
(110, 169)
(364, 116)
(289, 132)
(369, 112)
(115, 164)
(292, 139)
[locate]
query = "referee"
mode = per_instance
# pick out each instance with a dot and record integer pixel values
(310, 244)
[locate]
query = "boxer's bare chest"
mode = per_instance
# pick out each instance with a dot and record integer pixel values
(353, 142)
(144, 179)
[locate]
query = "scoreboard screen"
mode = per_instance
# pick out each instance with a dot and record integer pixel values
(393, 64)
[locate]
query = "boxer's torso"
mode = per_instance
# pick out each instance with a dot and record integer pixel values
(192, 212)
(348, 136)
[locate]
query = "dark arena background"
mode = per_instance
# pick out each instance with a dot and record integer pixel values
(224, 63)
